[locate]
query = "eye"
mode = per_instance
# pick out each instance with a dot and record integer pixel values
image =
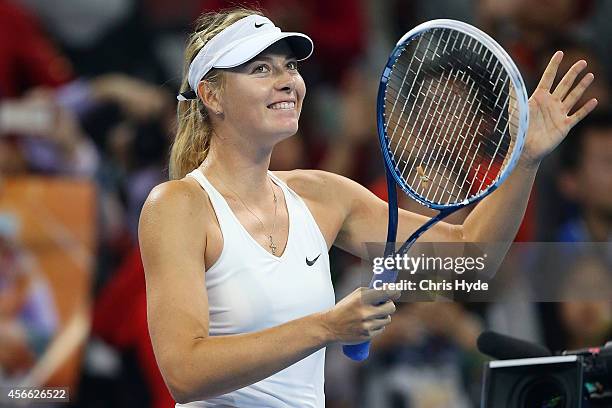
(260, 69)
(292, 65)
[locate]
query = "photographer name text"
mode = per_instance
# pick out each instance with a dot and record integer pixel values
(434, 286)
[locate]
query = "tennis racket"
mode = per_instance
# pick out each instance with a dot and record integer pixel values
(452, 115)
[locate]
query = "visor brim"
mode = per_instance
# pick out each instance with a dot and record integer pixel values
(301, 45)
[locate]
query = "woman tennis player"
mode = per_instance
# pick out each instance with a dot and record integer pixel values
(240, 301)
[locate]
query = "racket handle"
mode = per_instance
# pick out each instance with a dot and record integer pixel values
(357, 352)
(360, 352)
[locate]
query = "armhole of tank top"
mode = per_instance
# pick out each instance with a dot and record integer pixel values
(215, 211)
(301, 202)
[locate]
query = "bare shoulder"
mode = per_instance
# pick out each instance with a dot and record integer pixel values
(181, 196)
(176, 204)
(174, 230)
(313, 183)
(326, 187)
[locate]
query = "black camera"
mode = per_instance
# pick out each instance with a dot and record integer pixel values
(577, 379)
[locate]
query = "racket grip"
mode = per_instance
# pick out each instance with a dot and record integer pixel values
(357, 352)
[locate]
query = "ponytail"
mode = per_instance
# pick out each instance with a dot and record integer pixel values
(194, 132)
(192, 139)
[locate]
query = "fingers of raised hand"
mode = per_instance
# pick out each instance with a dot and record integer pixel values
(551, 71)
(566, 83)
(576, 93)
(582, 112)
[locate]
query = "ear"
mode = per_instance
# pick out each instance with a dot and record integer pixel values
(210, 96)
(567, 183)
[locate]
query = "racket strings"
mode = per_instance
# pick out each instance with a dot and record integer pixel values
(488, 144)
(449, 153)
(442, 140)
(444, 125)
(391, 120)
(437, 73)
(449, 156)
(456, 102)
(436, 115)
(449, 116)
(433, 116)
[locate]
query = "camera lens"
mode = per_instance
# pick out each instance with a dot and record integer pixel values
(544, 393)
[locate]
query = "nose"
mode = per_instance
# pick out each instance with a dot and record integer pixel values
(285, 81)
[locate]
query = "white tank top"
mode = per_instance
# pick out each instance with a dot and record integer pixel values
(249, 289)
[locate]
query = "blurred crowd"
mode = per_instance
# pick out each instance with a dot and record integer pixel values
(87, 92)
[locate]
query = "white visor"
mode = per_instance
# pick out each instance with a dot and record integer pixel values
(239, 43)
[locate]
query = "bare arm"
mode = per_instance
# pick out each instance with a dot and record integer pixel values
(195, 366)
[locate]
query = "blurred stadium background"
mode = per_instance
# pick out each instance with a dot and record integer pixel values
(87, 113)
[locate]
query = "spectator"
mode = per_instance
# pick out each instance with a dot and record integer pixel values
(425, 358)
(102, 36)
(120, 319)
(51, 138)
(27, 57)
(584, 318)
(526, 28)
(584, 179)
(27, 313)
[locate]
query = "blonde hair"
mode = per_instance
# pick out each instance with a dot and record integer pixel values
(194, 131)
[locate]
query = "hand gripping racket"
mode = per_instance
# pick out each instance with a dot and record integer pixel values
(452, 115)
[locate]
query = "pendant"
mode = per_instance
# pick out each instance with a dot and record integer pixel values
(272, 246)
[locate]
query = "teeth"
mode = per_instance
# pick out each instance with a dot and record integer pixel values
(283, 105)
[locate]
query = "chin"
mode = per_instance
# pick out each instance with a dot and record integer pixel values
(286, 130)
(287, 134)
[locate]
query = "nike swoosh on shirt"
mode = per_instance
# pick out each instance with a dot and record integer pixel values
(310, 263)
(259, 25)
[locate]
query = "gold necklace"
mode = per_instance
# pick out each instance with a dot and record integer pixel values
(271, 245)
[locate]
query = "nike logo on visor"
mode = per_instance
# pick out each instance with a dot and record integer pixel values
(310, 263)
(259, 25)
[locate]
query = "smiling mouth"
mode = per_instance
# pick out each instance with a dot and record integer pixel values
(282, 106)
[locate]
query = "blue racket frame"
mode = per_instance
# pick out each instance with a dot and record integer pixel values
(360, 351)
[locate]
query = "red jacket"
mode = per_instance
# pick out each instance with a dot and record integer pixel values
(27, 57)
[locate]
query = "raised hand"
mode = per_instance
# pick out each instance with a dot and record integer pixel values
(549, 118)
